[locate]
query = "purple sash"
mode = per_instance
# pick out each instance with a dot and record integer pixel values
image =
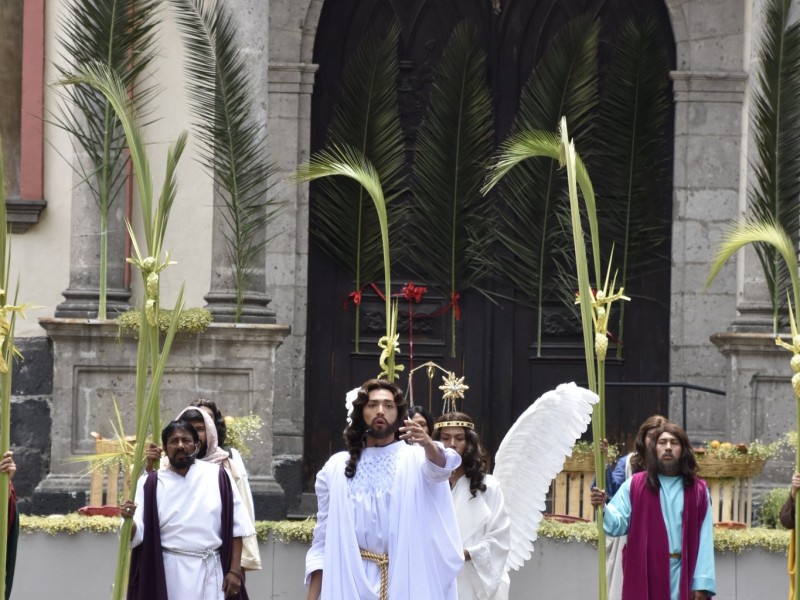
(645, 558)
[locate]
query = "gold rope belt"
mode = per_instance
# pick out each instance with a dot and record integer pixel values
(382, 560)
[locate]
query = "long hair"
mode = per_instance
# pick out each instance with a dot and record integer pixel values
(687, 463)
(639, 459)
(355, 433)
(475, 459)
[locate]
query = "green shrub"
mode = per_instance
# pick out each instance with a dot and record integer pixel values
(771, 507)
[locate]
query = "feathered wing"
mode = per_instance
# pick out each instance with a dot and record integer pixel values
(530, 456)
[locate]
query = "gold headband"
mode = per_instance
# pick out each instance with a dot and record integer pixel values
(444, 424)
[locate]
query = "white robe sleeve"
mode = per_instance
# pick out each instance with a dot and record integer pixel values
(433, 473)
(488, 553)
(315, 558)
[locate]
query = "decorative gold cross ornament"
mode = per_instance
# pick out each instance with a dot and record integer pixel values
(453, 389)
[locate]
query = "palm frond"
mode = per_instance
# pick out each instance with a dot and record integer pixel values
(564, 83)
(454, 144)
(345, 161)
(365, 118)
(222, 103)
(103, 79)
(766, 233)
(631, 158)
(776, 130)
(119, 34)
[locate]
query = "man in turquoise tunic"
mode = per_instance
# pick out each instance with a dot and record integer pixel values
(666, 513)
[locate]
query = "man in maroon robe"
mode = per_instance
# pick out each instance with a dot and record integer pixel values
(665, 512)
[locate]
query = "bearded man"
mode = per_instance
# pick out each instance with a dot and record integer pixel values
(187, 537)
(665, 511)
(374, 499)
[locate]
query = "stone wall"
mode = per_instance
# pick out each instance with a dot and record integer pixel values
(32, 394)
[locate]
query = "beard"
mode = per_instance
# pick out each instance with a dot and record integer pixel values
(183, 461)
(669, 468)
(388, 432)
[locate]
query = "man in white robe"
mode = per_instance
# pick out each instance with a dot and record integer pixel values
(189, 499)
(385, 521)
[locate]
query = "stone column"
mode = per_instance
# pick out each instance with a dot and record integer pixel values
(290, 89)
(708, 117)
(252, 18)
(83, 294)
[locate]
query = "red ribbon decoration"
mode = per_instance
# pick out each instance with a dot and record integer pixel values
(355, 296)
(413, 292)
(454, 298)
(379, 292)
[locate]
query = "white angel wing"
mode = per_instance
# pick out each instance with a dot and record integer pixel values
(532, 453)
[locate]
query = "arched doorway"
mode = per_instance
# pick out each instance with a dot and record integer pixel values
(495, 349)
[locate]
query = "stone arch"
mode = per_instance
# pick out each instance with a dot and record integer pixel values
(680, 31)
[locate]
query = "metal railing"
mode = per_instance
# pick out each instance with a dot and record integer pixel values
(685, 387)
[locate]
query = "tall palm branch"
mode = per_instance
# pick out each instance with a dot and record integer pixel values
(453, 146)
(151, 355)
(234, 149)
(530, 229)
(366, 119)
(631, 153)
(119, 34)
(514, 154)
(776, 130)
(768, 232)
(345, 161)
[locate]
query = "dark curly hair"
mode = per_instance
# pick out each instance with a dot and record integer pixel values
(219, 419)
(425, 413)
(687, 463)
(355, 433)
(638, 459)
(475, 460)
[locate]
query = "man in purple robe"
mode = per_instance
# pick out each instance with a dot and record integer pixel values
(187, 536)
(665, 511)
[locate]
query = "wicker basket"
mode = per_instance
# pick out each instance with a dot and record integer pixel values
(579, 463)
(714, 467)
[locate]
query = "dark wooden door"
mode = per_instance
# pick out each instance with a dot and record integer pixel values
(495, 348)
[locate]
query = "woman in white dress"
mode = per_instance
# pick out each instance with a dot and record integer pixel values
(483, 522)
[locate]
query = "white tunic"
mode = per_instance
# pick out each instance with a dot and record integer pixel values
(398, 504)
(485, 529)
(190, 516)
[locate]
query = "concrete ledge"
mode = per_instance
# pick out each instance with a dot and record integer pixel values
(83, 565)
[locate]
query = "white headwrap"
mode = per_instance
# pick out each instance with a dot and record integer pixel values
(213, 453)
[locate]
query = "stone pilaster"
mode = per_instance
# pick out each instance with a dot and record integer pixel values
(290, 89)
(252, 18)
(707, 178)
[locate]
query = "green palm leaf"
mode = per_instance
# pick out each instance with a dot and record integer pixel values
(150, 358)
(366, 118)
(766, 232)
(631, 151)
(119, 34)
(221, 100)
(529, 230)
(453, 146)
(345, 161)
(776, 129)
